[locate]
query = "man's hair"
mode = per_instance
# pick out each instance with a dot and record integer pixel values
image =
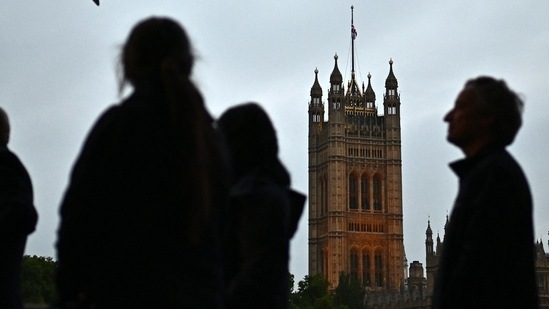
(4, 127)
(503, 104)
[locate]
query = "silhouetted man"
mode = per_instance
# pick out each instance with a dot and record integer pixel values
(17, 218)
(488, 256)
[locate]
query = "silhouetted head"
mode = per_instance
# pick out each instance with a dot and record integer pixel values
(486, 112)
(4, 127)
(152, 44)
(504, 105)
(250, 137)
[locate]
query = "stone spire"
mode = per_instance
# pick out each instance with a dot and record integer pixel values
(316, 90)
(369, 94)
(391, 81)
(336, 78)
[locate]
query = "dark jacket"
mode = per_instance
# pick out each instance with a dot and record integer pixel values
(18, 219)
(121, 239)
(261, 218)
(488, 255)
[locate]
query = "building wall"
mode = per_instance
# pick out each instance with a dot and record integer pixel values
(354, 158)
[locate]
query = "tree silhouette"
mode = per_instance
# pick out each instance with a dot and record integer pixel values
(349, 292)
(37, 279)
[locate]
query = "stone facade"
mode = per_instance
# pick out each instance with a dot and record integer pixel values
(355, 182)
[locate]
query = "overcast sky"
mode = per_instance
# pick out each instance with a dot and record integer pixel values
(58, 73)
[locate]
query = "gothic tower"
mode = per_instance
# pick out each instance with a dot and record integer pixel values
(355, 181)
(433, 254)
(430, 258)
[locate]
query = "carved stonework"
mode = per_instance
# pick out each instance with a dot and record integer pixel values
(355, 187)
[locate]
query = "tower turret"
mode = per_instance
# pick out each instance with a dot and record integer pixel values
(439, 245)
(335, 94)
(391, 81)
(316, 90)
(336, 79)
(392, 98)
(429, 240)
(391, 104)
(369, 94)
(316, 108)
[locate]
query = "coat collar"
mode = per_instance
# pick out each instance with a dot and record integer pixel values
(464, 166)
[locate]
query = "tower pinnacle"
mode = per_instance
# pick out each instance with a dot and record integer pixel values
(336, 78)
(316, 90)
(391, 81)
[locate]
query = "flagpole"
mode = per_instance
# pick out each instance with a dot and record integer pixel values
(352, 42)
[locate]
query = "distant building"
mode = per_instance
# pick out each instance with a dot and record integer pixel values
(542, 272)
(355, 181)
(433, 256)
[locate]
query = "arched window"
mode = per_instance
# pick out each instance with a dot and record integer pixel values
(378, 269)
(366, 269)
(353, 265)
(353, 192)
(325, 182)
(377, 193)
(364, 194)
(316, 102)
(322, 196)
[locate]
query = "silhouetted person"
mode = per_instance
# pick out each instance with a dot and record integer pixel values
(262, 213)
(18, 218)
(488, 257)
(139, 220)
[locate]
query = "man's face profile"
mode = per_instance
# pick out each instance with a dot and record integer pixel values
(465, 124)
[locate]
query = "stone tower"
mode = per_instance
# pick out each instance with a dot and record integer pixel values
(431, 258)
(355, 181)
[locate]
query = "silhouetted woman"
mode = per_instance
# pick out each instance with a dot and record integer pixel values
(262, 213)
(138, 221)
